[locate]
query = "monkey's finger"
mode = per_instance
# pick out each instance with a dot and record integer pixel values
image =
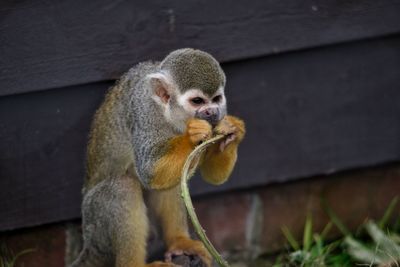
(200, 124)
(225, 142)
(199, 136)
(199, 131)
(226, 130)
(222, 146)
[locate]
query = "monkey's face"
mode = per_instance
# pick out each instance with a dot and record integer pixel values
(178, 106)
(197, 104)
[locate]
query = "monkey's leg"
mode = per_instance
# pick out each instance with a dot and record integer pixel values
(130, 225)
(97, 248)
(115, 225)
(171, 211)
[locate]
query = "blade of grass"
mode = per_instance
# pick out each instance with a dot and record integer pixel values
(335, 219)
(319, 244)
(388, 213)
(395, 237)
(307, 235)
(361, 253)
(387, 245)
(326, 230)
(19, 254)
(397, 225)
(290, 238)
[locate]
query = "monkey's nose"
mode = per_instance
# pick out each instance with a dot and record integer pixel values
(209, 114)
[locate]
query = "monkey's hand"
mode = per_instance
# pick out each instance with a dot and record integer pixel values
(188, 247)
(233, 128)
(198, 130)
(220, 158)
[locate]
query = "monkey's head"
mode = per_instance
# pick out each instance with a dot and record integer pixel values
(189, 84)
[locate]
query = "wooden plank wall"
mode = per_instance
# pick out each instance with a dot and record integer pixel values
(47, 45)
(317, 83)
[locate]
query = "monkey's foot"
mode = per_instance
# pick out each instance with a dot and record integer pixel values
(161, 264)
(187, 248)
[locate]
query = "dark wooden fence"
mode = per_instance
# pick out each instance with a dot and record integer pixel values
(318, 83)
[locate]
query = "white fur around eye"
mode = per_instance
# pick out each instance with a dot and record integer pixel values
(221, 92)
(184, 99)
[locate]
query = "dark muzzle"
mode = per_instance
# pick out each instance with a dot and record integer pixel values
(209, 114)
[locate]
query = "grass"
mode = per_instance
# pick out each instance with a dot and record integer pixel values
(8, 258)
(374, 244)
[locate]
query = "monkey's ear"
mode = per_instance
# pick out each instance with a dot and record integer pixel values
(161, 85)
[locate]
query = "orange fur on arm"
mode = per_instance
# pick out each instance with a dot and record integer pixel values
(217, 165)
(167, 170)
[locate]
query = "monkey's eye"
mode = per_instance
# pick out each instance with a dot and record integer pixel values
(197, 100)
(217, 98)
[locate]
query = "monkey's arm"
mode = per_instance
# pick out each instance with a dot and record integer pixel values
(168, 168)
(217, 165)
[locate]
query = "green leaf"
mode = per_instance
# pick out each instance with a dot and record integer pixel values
(326, 230)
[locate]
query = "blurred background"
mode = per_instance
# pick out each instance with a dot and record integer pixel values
(317, 82)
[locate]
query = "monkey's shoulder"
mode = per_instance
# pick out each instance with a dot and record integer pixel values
(138, 71)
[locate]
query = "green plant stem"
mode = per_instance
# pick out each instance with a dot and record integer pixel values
(187, 172)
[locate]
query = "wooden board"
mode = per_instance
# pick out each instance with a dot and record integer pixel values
(312, 112)
(47, 45)
(42, 151)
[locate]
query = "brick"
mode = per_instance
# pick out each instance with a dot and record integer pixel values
(224, 219)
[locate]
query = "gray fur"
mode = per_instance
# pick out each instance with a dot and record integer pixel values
(194, 69)
(108, 213)
(126, 131)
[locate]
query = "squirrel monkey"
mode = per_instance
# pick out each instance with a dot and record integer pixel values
(141, 136)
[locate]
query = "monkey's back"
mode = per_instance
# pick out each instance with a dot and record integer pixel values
(110, 150)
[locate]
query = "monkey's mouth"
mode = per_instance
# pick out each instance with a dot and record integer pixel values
(212, 118)
(214, 122)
